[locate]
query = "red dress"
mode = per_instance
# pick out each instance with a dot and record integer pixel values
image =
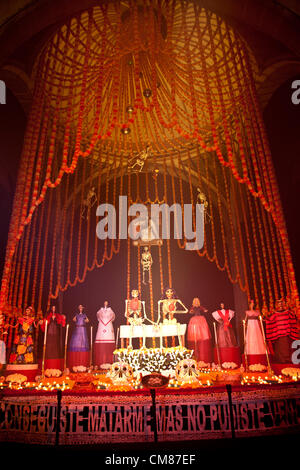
(281, 330)
(227, 344)
(54, 352)
(199, 336)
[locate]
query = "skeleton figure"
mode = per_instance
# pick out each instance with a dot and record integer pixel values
(201, 199)
(187, 371)
(135, 314)
(120, 373)
(169, 307)
(135, 309)
(88, 203)
(146, 262)
(137, 162)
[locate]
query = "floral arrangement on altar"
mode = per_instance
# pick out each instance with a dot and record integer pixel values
(229, 365)
(16, 378)
(53, 373)
(203, 365)
(153, 359)
(291, 372)
(257, 367)
(79, 369)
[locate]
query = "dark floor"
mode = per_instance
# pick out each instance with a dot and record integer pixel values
(229, 452)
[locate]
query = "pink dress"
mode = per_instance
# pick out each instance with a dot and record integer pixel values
(199, 336)
(254, 338)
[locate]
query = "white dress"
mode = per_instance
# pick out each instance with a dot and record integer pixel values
(105, 332)
(105, 337)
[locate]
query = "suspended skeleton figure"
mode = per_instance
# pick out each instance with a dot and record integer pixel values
(88, 203)
(137, 162)
(146, 262)
(201, 199)
(187, 371)
(120, 373)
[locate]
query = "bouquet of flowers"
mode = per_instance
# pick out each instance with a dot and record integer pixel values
(291, 372)
(79, 369)
(16, 378)
(229, 365)
(52, 373)
(257, 367)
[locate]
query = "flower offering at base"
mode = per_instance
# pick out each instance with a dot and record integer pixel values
(154, 359)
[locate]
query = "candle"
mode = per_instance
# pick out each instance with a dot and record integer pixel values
(67, 332)
(45, 335)
(217, 344)
(44, 348)
(160, 336)
(66, 341)
(245, 345)
(117, 339)
(266, 347)
(91, 352)
(178, 333)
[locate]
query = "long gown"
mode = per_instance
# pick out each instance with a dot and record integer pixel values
(254, 337)
(228, 350)
(79, 341)
(79, 354)
(22, 351)
(225, 333)
(105, 337)
(54, 352)
(199, 336)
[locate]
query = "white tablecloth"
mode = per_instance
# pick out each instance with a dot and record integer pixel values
(150, 331)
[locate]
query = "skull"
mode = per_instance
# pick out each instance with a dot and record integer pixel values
(187, 371)
(120, 373)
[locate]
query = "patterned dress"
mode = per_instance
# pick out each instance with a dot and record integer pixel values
(23, 347)
(281, 330)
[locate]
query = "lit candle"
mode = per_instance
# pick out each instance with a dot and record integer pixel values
(160, 336)
(45, 335)
(67, 333)
(91, 351)
(178, 333)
